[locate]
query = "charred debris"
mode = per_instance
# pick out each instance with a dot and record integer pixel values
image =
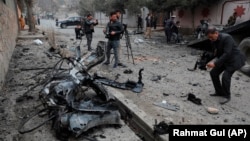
(65, 99)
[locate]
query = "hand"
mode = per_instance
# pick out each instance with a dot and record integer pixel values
(112, 33)
(210, 65)
(104, 30)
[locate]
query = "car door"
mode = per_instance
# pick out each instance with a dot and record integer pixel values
(77, 21)
(71, 21)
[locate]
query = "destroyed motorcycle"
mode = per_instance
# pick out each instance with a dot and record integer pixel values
(66, 104)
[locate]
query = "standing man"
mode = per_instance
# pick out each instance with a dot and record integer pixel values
(228, 60)
(175, 32)
(115, 29)
(149, 24)
(168, 25)
(118, 14)
(139, 22)
(155, 21)
(89, 29)
(38, 20)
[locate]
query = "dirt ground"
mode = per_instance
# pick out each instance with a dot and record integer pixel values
(165, 77)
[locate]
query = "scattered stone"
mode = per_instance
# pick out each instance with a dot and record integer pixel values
(225, 120)
(25, 49)
(196, 84)
(102, 136)
(243, 119)
(24, 97)
(156, 78)
(2, 110)
(212, 110)
(237, 95)
(128, 71)
(165, 94)
(237, 78)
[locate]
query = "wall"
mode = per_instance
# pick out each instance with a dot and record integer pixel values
(8, 34)
(218, 13)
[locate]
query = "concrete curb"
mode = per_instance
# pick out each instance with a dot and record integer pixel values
(137, 118)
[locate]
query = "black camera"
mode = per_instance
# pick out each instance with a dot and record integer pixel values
(107, 35)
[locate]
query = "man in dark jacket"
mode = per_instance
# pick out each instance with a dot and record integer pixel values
(228, 59)
(115, 29)
(139, 22)
(168, 25)
(89, 29)
(175, 32)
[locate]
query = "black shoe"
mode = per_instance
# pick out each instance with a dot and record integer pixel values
(121, 65)
(216, 94)
(225, 100)
(115, 66)
(194, 99)
(106, 63)
(90, 49)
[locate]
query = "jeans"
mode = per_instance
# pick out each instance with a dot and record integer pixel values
(89, 40)
(115, 45)
(176, 37)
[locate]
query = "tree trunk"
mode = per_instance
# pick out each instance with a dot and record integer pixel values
(31, 20)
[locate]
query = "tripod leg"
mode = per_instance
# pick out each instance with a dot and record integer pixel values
(129, 46)
(126, 36)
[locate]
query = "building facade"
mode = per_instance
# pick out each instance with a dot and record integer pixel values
(8, 34)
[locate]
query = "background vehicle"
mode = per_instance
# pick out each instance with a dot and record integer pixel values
(71, 21)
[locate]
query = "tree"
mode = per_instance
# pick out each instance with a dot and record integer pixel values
(30, 18)
(85, 7)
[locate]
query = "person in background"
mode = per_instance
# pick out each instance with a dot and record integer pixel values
(149, 24)
(118, 14)
(232, 19)
(154, 21)
(168, 25)
(22, 22)
(89, 29)
(175, 32)
(139, 22)
(228, 60)
(79, 29)
(38, 20)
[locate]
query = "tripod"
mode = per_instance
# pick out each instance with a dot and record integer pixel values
(128, 43)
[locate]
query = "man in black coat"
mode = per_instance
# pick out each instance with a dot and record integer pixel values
(89, 29)
(113, 32)
(228, 59)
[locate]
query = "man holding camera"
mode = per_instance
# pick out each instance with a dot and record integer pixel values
(113, 32)
(228, 59)
(89, 29)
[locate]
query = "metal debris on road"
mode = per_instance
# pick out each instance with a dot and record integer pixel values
(167, 105)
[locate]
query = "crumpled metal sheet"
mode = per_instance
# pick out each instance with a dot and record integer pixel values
(90, 106)
(80, 122)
